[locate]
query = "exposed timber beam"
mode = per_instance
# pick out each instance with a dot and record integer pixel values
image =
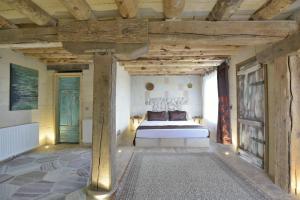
(192, 53)
(284, 47)
(132, 31)
(127, 8)
(220, 32)
(80, 9)
(165, 61)
(173, 8)
(35, 45)
(114, 31)
(5, 24)
(271, 8)
(31, 10)
(224, 9)
(156, 64)
(68, 67)
(182, 58)
(190, 47)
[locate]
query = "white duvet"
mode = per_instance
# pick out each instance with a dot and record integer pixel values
(183, 132)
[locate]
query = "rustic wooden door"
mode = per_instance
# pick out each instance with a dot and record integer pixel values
(69, 106)
(252, 132)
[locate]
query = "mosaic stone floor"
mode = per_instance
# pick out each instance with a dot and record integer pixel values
(45, 175)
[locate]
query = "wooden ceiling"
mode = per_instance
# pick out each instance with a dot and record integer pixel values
(182, 36)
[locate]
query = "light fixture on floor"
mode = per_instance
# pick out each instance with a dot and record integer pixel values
(227, 153)
(47, 147)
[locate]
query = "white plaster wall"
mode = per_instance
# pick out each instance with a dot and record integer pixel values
(43, 114)
(173, 86)
(122, 100)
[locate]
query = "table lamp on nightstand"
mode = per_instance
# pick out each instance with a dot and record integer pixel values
(198, 119)
(135, 121)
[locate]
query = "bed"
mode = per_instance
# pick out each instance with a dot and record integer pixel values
(171, 134)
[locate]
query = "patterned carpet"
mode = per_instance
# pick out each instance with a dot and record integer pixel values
(49, 175)
(191, 176)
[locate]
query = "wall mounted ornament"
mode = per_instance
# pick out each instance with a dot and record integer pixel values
(166, 104)
(149, 86)
(190, 85)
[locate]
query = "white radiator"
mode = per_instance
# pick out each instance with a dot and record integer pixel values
(18, 139)
(87, 127)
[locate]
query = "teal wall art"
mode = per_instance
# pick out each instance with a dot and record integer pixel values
(23, 88)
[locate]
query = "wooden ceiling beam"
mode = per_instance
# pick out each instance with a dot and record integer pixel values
(183, 58)
(224, 9)
(165, 61)
(190, 53)
(132, 31)
(169, 64)
(80, 9)
(31, 10)
(220, 32)
(5, 24)
(190, 47)
(68, 67)
(173, 8)
(127, 8)
(285, 47)
(271, 9)
(112, 31)
(58, 56)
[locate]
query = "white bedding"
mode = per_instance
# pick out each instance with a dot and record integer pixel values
(171, 133)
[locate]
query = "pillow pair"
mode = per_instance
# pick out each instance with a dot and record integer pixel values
(164, 116)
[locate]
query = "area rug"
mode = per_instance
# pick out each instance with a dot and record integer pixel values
(190, 176)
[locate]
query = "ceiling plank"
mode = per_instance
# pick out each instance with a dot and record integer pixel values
(224, 9)
(127, 8)
(5, 24)
(271, 9)
(191, 53)
(31, 10)
(173, 8)
(80, 9)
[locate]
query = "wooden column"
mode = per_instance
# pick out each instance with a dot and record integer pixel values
(104, 134)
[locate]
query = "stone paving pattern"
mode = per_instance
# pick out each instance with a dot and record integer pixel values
(45, 174)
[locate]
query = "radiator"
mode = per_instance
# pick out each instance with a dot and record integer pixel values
(18, 139)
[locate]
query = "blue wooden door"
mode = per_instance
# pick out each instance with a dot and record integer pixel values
(69, 106)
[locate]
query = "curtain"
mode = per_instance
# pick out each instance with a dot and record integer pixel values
(223, 130)
(210, 103)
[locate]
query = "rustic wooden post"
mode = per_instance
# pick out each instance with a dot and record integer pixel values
(104, 134)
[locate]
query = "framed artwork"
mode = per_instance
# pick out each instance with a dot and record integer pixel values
(23, 88)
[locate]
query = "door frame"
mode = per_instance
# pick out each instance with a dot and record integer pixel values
(56, 103)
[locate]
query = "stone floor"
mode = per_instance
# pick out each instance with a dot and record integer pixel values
(51, 172)
(59, 172)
